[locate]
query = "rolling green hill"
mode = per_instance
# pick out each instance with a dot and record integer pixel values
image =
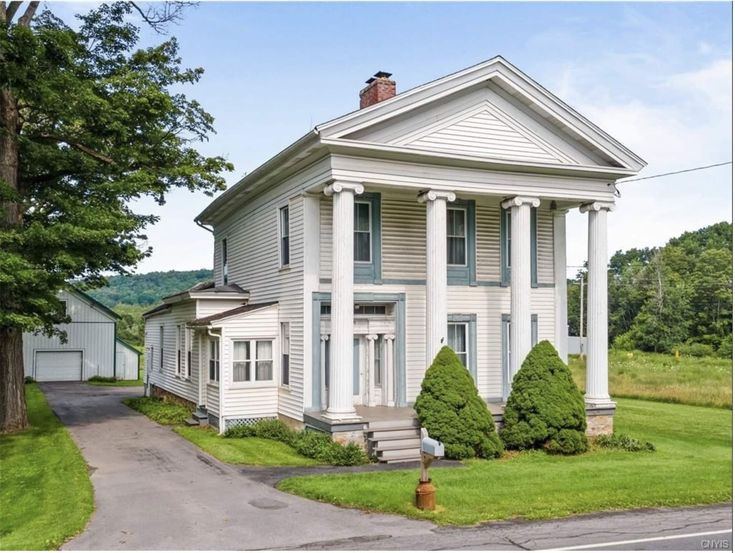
(147, 289)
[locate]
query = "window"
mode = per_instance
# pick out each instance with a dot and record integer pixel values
(370, 310)
(160, 348)
(325, 309)
(224, 260)
(285, 353)
(505, 246)
(214, 360)
(456, 236)
(362, 245)
(378, 362)
(252, 360)
(457, 340)
(188, 340)
(179, 360)
(284, 237)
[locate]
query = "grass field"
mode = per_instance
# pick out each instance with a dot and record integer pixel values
(245, 451)
(45, 492)
(692, 465)
(692, 380)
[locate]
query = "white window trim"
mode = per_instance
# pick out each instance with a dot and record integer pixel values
(279, 210)
(254, 352)
(178, 367)
(369, 231)
(287, 325)
(218, 349)
(466, 241)
(466, 352)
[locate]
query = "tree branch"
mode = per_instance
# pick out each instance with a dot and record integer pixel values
(159, 16)
(10, 11)
(25, 19)
(78, 146)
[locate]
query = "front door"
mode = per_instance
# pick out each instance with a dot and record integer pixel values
(371, 370)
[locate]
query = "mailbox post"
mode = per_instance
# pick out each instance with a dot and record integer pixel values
(426, 492)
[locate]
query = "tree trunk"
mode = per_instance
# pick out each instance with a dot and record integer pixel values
(13, 416)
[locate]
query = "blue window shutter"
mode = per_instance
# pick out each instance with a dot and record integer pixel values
(355, 366)
(534, 248)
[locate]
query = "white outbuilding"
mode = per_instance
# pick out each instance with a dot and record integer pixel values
(91, 346)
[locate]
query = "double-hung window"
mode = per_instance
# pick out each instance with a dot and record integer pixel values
(457, 236)
(252, 361)
(284, 232)
(214, 360)
(179, 356)
(160, 348)
(363, 227)
(224, 261)
(457, 340)
(285, 353)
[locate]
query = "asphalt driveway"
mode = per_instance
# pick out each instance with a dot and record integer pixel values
(154, 490)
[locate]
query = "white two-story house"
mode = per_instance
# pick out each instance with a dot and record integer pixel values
(431, 217)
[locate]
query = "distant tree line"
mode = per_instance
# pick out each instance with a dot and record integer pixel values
(677, 297)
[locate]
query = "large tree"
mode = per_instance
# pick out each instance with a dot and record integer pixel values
(89, 122)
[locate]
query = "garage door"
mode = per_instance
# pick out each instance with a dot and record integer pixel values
(58, 365)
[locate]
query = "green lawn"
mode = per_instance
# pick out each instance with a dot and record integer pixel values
(244, 451)
(46, 496)
(692, 380)
(162, 412)
(692, 465)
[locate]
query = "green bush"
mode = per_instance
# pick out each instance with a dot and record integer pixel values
(623, 441)
(451, 410)
(694, 350)
(162, 412)
(29, 380)
(315, 445)
(106, 379)
(725, 349)
(624, 342)
(545, 408)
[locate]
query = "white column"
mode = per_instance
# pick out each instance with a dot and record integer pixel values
(340, 370)
(388, 387)
(369, 370)
(520, 278)
(561, 320)
(596, 393)
(436, 270)
(323, 368)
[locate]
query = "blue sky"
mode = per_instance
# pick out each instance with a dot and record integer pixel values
(657, 76)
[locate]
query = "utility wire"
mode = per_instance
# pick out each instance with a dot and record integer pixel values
(676, 172)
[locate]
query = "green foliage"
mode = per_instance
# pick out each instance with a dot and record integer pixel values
(679, 294)
(694, 350)
(451, 410)
(160, 411)
(46, 496)
(545, 408)
(102, 379)
(624, 442)
(103, 124)
(133, 291)
(314, 445)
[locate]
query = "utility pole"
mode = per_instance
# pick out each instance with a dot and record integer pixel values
(581, 313)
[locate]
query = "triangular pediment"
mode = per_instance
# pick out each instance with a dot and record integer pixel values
(484, 131)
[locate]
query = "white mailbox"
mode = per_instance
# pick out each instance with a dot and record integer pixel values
(430, 446)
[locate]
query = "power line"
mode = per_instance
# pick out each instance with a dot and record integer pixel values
(676, 172)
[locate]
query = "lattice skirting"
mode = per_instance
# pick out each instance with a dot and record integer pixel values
(244, 421)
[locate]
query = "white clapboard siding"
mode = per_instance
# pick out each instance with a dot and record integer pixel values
(92, 331)
(488, 240)
(257, 399)
(545, 241)
(403, 235)
(166, 377)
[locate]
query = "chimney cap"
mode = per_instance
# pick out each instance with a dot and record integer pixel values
(379, 75)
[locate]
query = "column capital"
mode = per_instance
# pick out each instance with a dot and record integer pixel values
(324, 337)
(431, 195)
(596, 206)
(518, 201)
(371, 337)
(389, 337)
(340, 186)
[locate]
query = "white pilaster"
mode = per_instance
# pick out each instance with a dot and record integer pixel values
(561, 320)
(596, 392)
(323, 345)
(340, 370)
(436, 270)
(388, 387)
(370, 382)
(520, 278)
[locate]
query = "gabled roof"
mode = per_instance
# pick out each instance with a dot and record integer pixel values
(128, 346)
(335, 135)
(99, 306)
(201, 291)
(206, 321)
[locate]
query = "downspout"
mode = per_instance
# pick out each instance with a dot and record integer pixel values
(114, 350)
(219, 383)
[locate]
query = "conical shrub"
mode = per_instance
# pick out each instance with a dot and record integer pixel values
(545, 408)
(451, 410)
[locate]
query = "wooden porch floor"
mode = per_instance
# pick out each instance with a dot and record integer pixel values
(394, 413)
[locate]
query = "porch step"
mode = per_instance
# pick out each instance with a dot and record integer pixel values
(199, 416)
(192, 422)
(394, 441)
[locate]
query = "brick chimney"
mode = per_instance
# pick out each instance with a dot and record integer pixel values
(379, 88)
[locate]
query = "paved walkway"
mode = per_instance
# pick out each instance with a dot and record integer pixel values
(154, 490)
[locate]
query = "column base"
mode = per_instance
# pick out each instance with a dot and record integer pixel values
(600, 415)
(342, 416)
